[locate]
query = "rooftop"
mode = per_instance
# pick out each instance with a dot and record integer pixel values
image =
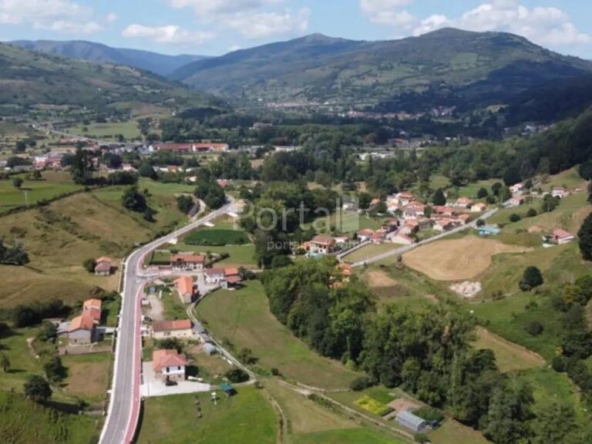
(167, 358)
(180, 324)
(83, 322)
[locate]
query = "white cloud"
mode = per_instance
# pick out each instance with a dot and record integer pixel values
(54, 15)
(216, 7)
(544, 25)
(67, 27)
(255, 25)
(234, 48)
(170, 34)
(112, 18)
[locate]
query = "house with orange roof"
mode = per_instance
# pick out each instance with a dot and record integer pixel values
(185, 289)
(169, 365)
(93, 307)
(365, 235)
(103, 266)
(180, 328)
(404, 198)
(187, 262)
(322, 245)
(82, 330)
(464, 218)
(478, 208)
(231, 277)
(464, 202)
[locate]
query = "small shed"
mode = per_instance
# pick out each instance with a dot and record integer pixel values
(228, 389)
(411, 421)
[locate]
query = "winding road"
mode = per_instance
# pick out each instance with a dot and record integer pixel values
(124, 406)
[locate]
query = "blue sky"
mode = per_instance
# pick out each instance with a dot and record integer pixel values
(214, 27)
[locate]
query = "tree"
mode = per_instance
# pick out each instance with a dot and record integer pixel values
(364, 200)
(37, 389)
(20, 147)
(146, 170)
(55, 370)
(482, 193)
(504, 194)
(531, 278)
(48, 332)
(81, 167)
(496, 187)
(184, 203)
(246, 356)
(556, 423)
(480, 222)
(534, 328)
(17, 182)
(89, 265)
(531, 212)
(237, 375)
(585, 238)
(5, 363)
(515, 217)
(133, 200)
(439, 198)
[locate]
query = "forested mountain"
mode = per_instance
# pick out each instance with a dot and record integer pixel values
(445, 67)
(96, 52)
(551, 102)
(30, 78)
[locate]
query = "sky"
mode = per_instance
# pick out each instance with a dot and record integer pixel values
(215, 27)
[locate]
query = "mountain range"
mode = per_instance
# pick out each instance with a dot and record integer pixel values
(445, 67)
(29, 79)
(96, 52)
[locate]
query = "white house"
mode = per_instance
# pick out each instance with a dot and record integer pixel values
(559, 192)
(214, 276)
(169, 365)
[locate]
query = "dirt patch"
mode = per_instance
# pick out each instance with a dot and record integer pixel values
(537, 229)
(509, 356)
(155, 310)
(467, 289)
(458, 259)
(378, 279)
(402, 404)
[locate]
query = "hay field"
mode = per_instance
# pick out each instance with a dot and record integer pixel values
(458, 259)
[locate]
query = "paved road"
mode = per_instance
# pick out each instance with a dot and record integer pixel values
(408, 248)
(124, 406)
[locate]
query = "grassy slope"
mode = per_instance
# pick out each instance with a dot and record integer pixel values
(246, 418)
(244, 319)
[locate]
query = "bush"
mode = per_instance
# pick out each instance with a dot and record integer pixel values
(89, 265)
(480, 222)
(531, 279)
(275, 372)
(558, 363)
(531, 212)
(237, 375)
(421, 438)
(534, 328)
(361, 383)
(515, 218)
(430, 414)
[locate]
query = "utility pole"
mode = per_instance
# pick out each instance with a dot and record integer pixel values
(26, 197)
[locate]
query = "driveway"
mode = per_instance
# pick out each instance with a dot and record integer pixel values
(156, 310)
(152, 387)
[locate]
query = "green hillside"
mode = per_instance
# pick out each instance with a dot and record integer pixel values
(30, 78)
(161, 64)
(448, 66)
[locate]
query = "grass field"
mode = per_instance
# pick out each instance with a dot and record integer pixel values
(369, 251)
(509, 356)
(569, 179)
(88, 376)
(353, 436)
(53, 184)
(244, 319)
(128, 129)
(240, 255)
(216, 237)
(347, 223)
(246, 418)
(459, 259)
(453, 432)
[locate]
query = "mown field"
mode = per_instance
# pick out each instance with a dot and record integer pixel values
(369, 251)
(243, 318)
(216, 237)
(245, 418)
(128, 129)
(51, 185)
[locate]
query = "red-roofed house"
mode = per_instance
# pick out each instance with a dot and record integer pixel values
(231, 277)
(405, 198)
(185, 288)
(562, 237)
(169, 365)
(365, 235)
(181, 328)
(82, 330)
(322, 245)
(187, 262)
(103, 266)
(464, 202)
(464, 218)
(93, 308)
(478, 208)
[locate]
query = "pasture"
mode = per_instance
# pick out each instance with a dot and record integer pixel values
(458, 259)
(243, 318)
(369, 251)
(216, 237)
(245, 418)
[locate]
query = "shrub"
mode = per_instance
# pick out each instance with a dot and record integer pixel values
(430, 414)
(515, 218)
(89, 265)
(421, 438)
(361, 383)
(534, 328)
(531, 279)
(237, 375)
(531, 212)
(558, 363)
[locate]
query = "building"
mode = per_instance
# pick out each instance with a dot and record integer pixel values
(559, 192)
(180, 148)
(464, 202)
(169, 365)
(562, 237)
(322, 245)
(478, 208)
(214, 276)
(365, 235)
(378, 237)
(231, 278)
(172, 329)
(185, 288)
(402, 239)
(103, 266)
(187, 262)
(92, 307)
(464, 218)
(411, 421)
(442, 210)
(404, 198)
(517, 189)
(414, 210)
(488, 230)
(515, 201)
(82, 330)
(444, 225)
